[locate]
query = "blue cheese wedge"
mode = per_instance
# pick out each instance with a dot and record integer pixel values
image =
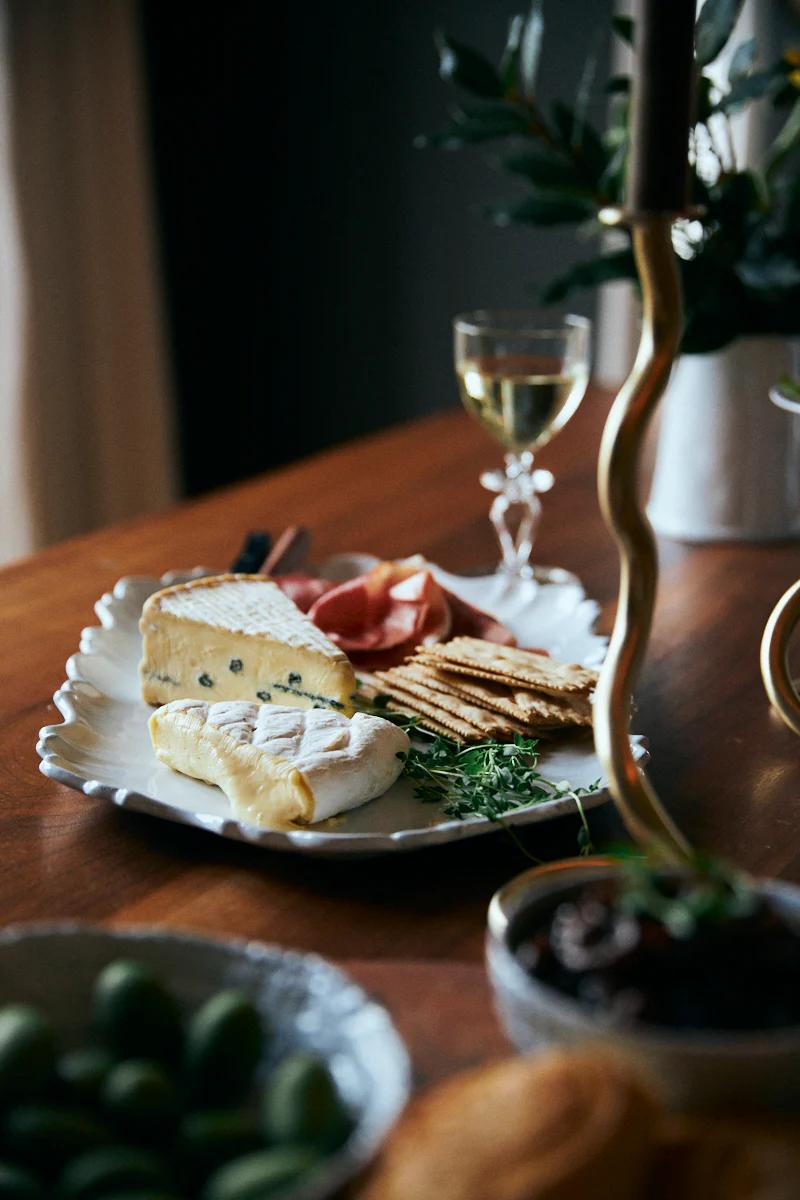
(279, 766)
(238, 637)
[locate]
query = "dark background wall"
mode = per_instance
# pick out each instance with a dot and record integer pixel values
(313, 258)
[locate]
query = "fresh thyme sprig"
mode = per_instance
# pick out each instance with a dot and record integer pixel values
(712, 891)
(489, 780)
(379, 706)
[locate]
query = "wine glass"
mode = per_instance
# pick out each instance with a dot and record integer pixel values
(521, 375)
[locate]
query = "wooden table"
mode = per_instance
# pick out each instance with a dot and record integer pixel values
(727, 769)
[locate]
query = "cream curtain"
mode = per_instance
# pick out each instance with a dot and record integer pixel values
(85, 418)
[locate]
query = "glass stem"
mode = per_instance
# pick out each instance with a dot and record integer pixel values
(516, 511)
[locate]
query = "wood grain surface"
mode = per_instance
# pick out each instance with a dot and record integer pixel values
(728, 771)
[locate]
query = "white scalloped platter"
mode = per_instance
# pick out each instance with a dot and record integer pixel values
(103, 748)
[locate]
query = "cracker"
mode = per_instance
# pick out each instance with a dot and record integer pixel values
(514, 682)
(507, 664)
(531, 709)
(435, 717)
(495, 698)
(525, 706)
(489, 722)
(399, 705)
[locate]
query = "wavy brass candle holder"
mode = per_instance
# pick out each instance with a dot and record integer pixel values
(780, 688)
(783, 620)
(620, 453)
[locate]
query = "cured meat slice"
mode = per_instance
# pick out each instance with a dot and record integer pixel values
(469, 621)
(386, 610)
(380, 617)
(304, 590)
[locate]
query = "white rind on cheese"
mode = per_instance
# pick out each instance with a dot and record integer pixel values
(279, 766)
(238, 637)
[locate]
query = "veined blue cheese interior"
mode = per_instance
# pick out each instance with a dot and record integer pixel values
(238, 637)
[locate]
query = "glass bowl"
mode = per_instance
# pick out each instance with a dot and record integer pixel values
(306, 1003)
(691, 1068)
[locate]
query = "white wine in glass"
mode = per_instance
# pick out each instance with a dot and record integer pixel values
(522, 376)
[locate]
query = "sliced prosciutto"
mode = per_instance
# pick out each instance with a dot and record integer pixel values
(304, 590)
(380, 617)
(468, 621)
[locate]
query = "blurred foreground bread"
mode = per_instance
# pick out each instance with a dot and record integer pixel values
(726, 1158)
(566, 1126)
(578, 1125)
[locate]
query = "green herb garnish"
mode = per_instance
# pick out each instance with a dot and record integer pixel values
(489, 780)
(378, 706)
(713, 891)
(789, 387)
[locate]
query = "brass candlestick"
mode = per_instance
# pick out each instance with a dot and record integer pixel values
(778, 682)
(620, 450)
(656, 195)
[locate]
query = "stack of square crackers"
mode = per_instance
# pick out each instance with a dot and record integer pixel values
(475, 690)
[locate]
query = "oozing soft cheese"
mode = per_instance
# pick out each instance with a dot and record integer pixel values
(277, 765)
(238, 637)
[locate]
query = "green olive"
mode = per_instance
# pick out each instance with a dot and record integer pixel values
(16, 1184)
(93, 1175)
(301, 1104)
(140, 1100)
(212, 1137)
(135, 1014)
(262, 1175)
(224, 1044)
(147, 1194)
(46, 1136)
(27, 1053)
(81, 1074)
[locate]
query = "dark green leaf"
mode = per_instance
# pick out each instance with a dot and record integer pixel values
(623, 27)
(742, 62)
(714, 301)
(703, 104)
(550, 209)
(466, 67)
(612, 180)
(792, 207)
(750, 87)
(477, 121)
(619, 265)
(774, 273)
(586, 86)
(582, 140)
(492, 111)
(734, 201)
(509, 63)
(714, 26)
(784, 95)
(543, 167)
(530, 50)
(618, 84)
(786, 141)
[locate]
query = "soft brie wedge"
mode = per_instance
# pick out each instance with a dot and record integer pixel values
(238, 637)
(279, 766)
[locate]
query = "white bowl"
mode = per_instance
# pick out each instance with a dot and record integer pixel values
(694, 1069)
(305, 1001)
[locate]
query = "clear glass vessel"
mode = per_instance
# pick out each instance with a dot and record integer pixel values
(521, 375)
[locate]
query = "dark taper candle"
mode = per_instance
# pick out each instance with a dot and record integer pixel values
(662, 102)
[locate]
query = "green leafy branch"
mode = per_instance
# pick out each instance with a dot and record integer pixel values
(740, 259)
